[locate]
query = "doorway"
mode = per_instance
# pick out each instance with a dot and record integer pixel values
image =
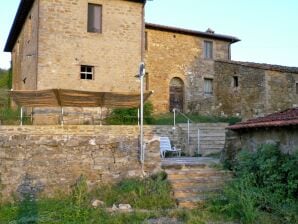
(176, 94)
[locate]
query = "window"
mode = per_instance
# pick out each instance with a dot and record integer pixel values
(94, 18)
(296, 87)
(235, 81)
(208, 49)
(87, 72)
(208, 86)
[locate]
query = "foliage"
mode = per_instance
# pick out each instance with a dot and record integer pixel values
(266, 185)
(9, 115)
(130, 116)
(149, 193)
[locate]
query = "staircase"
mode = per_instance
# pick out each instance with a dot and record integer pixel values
(211, 138)
(194, 179)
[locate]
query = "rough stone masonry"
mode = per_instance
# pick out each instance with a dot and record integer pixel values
(47, 159)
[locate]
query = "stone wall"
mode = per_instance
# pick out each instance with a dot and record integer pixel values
(248, 99)
(174, 55)
(51, 158)
(24, 53)
(65, 45)
(260, 92)
(252, 139)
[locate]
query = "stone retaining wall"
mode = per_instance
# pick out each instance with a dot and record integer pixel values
(49, 159)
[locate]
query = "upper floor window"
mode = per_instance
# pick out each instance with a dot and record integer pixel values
(87, 72)
(235, 81)
(94, 18)
(208, 86)
(208, 49)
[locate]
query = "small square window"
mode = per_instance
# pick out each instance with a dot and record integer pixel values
(208, 49)
(94, 18)
(235, 81)
(208, 86)
(87, 72)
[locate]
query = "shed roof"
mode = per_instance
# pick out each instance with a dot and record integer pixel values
(20, 18)
(210, 35)
(264, 66)
(287, 117)
(76, 98)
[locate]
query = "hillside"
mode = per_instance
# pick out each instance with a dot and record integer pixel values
(4, 83)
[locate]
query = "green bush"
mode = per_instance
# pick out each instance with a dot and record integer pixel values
(130, 116)
(266, 183)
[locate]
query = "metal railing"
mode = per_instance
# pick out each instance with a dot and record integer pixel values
(175, 111)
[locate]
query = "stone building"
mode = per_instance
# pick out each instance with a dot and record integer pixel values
(97, 46)
(279, 128)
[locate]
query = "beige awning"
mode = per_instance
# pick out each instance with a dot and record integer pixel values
(76, 98)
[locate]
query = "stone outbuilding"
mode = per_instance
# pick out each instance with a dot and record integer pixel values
(278, 128)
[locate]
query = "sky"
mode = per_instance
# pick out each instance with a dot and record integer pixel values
(267, 28)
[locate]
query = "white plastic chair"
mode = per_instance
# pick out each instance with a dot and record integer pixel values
(165, 146)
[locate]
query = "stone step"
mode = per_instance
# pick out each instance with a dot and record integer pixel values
(189, 204)
(206, 152)
(195, 191)
(203, 181)
(195, 172)
(211, 143)
(212, 135)
(212, 138)
(195, 175)
(211, 147)
(193, 202)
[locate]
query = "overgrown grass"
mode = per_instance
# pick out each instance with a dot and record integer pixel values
(265, 189)
(151, 193)
(9, 115)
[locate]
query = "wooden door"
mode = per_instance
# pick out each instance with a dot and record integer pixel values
(176, 94)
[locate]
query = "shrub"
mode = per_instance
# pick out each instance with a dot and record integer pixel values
(130, 115)
(266, 183)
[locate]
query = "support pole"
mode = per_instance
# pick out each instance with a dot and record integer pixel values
(188, 131)
(62, 117)
(139, 117)
(199, 136)
(174, 110)
(21, 116)
(142, 119)
(100, 123)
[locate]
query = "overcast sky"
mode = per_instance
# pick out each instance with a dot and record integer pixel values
(268, 28)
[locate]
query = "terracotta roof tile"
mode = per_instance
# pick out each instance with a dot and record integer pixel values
(288, 117)
(262, 66)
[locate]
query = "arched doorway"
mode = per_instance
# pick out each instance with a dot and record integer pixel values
(176, 94)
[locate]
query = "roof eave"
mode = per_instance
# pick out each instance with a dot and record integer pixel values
(19, 20)
(230, 39)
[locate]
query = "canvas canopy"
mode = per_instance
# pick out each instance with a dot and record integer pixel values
(76, 98)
